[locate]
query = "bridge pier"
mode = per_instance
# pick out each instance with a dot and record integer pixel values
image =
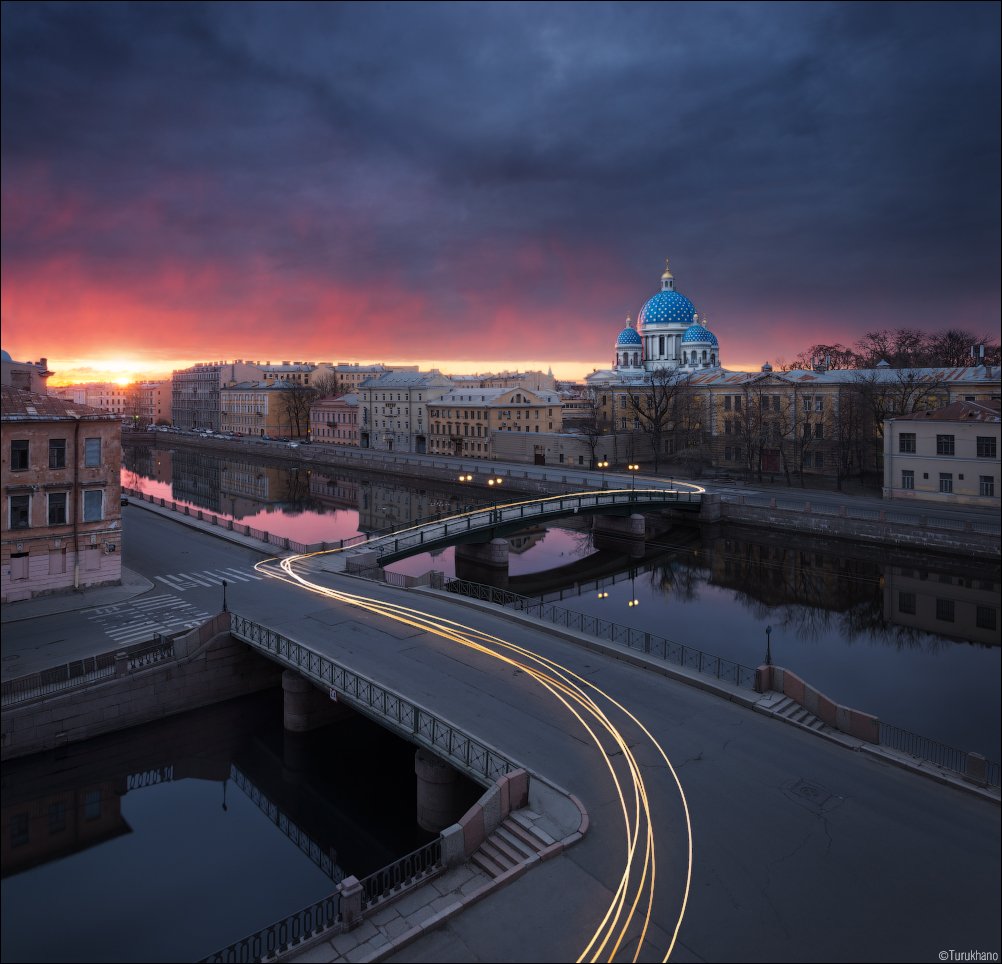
(437, 789)
(306, 707)
(485, 562)
(633, 527)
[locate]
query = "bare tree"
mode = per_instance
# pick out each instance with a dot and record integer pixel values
(296, 401)
(655, 405)
(888, 393)
(830, 356)
(590, 428)
(326, 384)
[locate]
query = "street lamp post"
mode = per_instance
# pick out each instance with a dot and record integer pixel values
(768, 645)
(494, 483)
(633, 469)
(225, 607)
(603, 464)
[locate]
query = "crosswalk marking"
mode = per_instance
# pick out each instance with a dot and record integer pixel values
(205, 578)
(141, 620)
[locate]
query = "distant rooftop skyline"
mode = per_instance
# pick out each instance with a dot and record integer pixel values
(480, 186)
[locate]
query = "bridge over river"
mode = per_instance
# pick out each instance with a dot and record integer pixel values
(484, 524)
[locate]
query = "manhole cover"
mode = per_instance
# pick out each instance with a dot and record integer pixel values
(813, 795)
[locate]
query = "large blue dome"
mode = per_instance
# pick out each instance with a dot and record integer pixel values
(668, 307)
(628, 337)
(700, 335)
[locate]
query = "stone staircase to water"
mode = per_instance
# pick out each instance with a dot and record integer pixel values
(795, 713)
(512, 844)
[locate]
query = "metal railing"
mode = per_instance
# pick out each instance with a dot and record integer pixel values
(322, 915)
(419, 535)
(416, 723)
(402, 874)
(81, 672)
(924, 748)
(650, 644)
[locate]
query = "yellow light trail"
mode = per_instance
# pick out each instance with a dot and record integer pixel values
(569, 688)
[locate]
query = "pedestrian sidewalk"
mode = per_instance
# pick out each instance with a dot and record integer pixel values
(132, 585)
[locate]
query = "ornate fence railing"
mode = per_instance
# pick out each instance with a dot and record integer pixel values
(416, 723)
(321, 915)
(650, 644)
(394, 878)
(81, 672)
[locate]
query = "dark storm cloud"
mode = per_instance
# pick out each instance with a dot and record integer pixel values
(810, 157)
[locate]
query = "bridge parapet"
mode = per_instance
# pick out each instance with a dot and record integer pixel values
(419, 538)
(477, 759)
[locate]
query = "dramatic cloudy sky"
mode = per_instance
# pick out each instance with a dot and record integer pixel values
(474, 184)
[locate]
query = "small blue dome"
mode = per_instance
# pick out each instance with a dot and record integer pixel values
(696, 333)
(5, 355)
(667, 307)
(628, 337)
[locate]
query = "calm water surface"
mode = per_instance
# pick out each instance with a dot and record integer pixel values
(169, 841)
(840, 615)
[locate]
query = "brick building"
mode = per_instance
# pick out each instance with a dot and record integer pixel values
(61, 526)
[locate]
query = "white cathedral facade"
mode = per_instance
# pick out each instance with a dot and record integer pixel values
(668, 335)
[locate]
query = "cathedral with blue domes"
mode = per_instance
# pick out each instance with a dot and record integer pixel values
(668, 335)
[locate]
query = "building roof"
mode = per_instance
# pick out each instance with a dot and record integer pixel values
(21, 406)
(404, 379)
(956, 412)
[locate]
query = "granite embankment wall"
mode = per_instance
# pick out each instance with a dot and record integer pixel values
(208, 666)
(888, 527)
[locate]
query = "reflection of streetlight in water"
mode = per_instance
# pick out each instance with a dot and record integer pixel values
(633, 589)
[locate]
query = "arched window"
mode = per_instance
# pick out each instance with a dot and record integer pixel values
(661, 346)
(685, 358)
(636, 359)
(713, 358)
(704, 354)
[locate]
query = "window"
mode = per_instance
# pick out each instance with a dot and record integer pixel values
(92, 805)
(906, 603)
(906, 442)
(737, 403)
(944, 445)
(57, 817)
(907, 479)
(945, 481)
(57, 508)
(986, 447)
(986, 485)
(819, 460)
(819, 430)
(987, 617)
(944, 610)
(819, 403)
(727, 403)
(57, 453)
(20, 511)
(19, 455)
(19, 830)
(92, 453)
(93, 505)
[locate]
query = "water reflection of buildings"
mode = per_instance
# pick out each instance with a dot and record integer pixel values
(962, 607)
(798, 581)
(196, 479)
(383, 505)
(336, 491)
(59, 823)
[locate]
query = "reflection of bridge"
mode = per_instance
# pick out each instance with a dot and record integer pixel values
(481, 525)
(306, 843)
